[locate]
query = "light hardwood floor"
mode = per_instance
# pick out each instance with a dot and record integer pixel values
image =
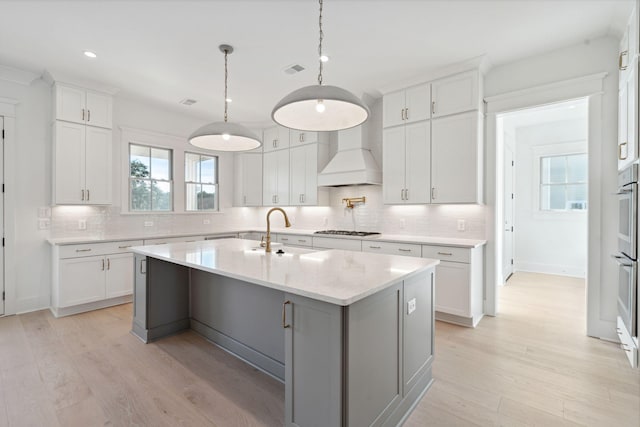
(532, 365)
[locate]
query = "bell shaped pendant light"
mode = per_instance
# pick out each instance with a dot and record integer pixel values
(320, 107)
(225, 136)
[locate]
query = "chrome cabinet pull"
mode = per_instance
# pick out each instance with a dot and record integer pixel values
(404, 250)
(433, 107)
(83, 114)
(302, 241)
(620, 151)
(83, 250)
(88, 197)
(124, 247)
(244, 200)
(143, 262)
(402, 194)
(445, 253)
(88, 115)
(406, 194)
(375, 247)
(108, 263)
(406, 114)
(622, 54)
(433, 193)
(402, 114)
(285, 325)
(82, 196)
(285, 239)
(102, 264)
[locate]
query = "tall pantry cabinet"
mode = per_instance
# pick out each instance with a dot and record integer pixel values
(82, 146)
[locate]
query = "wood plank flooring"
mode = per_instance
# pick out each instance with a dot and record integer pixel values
(530, 366)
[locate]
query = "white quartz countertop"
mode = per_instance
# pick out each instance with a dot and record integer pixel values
(397, 238)
(333, 276)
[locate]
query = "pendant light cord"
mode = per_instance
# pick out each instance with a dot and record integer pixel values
(226, 74)
(320, 44)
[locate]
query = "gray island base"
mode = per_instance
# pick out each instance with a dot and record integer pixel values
(349, 333)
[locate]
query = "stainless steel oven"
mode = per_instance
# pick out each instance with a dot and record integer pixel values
(626, 258)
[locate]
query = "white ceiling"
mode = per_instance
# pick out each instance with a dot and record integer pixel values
(166, 50)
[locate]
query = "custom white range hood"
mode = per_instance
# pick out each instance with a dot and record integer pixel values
(353, 164)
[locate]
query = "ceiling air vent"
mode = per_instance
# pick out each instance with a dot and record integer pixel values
(293, 69)
(188, 101)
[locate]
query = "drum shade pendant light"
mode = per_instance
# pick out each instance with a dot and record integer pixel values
(225, 136)
(320, 107)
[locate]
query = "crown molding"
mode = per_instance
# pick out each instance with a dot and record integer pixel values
(53, 76)
(15, 75)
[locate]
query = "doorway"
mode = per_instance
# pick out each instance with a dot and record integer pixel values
(545, 182)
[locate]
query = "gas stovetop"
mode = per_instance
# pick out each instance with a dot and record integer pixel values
(347, 233)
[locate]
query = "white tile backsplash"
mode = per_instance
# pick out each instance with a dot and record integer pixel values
(431, 220)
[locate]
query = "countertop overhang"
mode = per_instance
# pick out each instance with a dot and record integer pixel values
(334, 276)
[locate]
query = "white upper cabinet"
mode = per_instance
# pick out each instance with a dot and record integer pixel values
(275, 174)
(82, 165)
(455, 94)
(248, 179)
(299, 137)
(275, 138)
(305, 162)
(406, 106)
(628, 94)
(83, 106)
(456, 161)
(406, 166)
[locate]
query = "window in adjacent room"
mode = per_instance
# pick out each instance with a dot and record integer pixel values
(563, 182)
(150, 179)
(201, 182)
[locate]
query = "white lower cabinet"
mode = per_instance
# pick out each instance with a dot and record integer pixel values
(391, 248)
(331, 243)
(91, 276)
(459, 283)
(295, 240)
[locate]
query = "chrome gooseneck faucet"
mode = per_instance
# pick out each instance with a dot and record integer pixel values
(286, 224)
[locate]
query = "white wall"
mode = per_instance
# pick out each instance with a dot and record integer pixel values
(599, 55)
(547, 242)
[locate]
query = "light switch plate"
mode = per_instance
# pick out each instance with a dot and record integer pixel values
(44, 212)
(411, 305)
(462, 225)
(44, 223)
(82, 224)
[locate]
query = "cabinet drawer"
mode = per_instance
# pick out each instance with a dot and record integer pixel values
(447, 253)
(173, 240)
(94, 249)
(329, 243)
(406, 249)
(295, 239)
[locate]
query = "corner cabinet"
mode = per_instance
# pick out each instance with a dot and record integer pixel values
(373, 376)
(82, 147)
(248, 179)
(438, 159)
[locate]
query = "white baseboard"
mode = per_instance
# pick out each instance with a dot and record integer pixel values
(28, 305)
(560, 270)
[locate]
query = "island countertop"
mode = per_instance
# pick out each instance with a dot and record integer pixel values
(334, 276)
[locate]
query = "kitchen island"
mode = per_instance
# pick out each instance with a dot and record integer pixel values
(349, 333)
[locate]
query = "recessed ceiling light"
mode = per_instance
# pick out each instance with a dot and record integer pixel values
(90, 54)
(324, 58)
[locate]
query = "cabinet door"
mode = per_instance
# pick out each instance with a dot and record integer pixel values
(310, 197)
(70, 104)
(453, 290)
(417, 103)
(627, 108)
(252, 179)
(454, 159)
(269, 178)
(455, 94)
(393, 109)
(120, 275)
(313, 355)
(298, 137)
(282, 171)
(418, 162)
(298, 174)
(69, 163)
(99, 107)
(393, 167)
(270, 138)
(98, 166)
(82, 280)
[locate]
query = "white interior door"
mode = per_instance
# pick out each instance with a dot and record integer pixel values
(2, 218)
(507, 253)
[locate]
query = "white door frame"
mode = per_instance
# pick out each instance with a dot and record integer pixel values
(8, 111)
(591, 86)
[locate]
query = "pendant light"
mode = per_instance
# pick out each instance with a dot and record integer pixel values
(320, 107)
(225, 136)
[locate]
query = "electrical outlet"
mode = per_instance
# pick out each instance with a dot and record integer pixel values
(462, 225)
(44, 212)
(325, 221)
(411, 306)
(148, 223)
(82, 224)
(402, 223)
(44, 223)
(206, 221)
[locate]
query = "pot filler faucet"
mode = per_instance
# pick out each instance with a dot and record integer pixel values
(286, 224)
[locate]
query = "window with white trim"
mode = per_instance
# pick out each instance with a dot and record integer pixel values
(150, 179)
(201, 182)
(563, 182)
